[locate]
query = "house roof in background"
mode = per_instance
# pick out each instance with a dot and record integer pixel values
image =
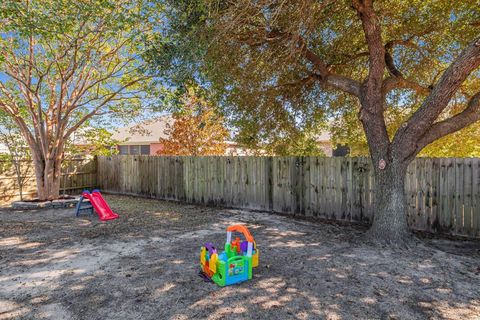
(150, 131)
(324, 136)
(145, 132)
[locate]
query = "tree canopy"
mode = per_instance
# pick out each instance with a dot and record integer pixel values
(63, 63)
(180, 57)
(259, 58)
(197, 130)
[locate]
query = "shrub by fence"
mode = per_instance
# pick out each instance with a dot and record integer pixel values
(443, 194)
(77, 174)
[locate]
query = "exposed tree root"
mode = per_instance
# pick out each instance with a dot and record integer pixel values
(405, 241)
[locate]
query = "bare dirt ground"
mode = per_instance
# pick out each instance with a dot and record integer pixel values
(145, 264)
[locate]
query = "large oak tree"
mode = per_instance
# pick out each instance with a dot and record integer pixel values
(61, 64)
(269, 58)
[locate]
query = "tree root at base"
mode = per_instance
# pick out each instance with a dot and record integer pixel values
(405, 241)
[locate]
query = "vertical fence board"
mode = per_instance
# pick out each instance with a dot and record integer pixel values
(435, 194)
(475, 198)
(458, 197)
(467, 197)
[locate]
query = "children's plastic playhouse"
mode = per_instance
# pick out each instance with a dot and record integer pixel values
(233, 265)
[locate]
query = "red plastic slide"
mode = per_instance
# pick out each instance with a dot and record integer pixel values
(100, 205)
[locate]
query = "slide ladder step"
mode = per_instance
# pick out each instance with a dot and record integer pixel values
(84, 205)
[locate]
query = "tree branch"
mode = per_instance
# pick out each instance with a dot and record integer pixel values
(420, 122)
(372, 98)
(336, 81)
(96, 109)
(401, 83)
(343, 83)
(373, 36)
(321, 70)
(468, 116)
(397, 79)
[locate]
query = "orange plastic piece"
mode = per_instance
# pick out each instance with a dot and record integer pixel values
(242, 229)
(236, 244)
(207, 270)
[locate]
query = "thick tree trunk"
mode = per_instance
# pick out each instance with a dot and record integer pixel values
(390, 217)
(47, 173)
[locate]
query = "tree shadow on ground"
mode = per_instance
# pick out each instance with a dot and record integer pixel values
(307, 270)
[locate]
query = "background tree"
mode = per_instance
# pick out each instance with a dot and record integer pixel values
(64, 62)
(18, 154)
(92, 142)
(291, 142)
(347, 130)
(418, 58)
(462, 144)
(197, 130)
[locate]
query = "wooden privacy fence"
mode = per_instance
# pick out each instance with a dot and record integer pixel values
(443, 194)
(77, 174)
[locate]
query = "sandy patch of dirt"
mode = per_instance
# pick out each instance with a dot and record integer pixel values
(144, 266)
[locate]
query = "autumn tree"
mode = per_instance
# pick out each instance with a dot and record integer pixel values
(197, 129)
(274, 57)
(61, 64)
